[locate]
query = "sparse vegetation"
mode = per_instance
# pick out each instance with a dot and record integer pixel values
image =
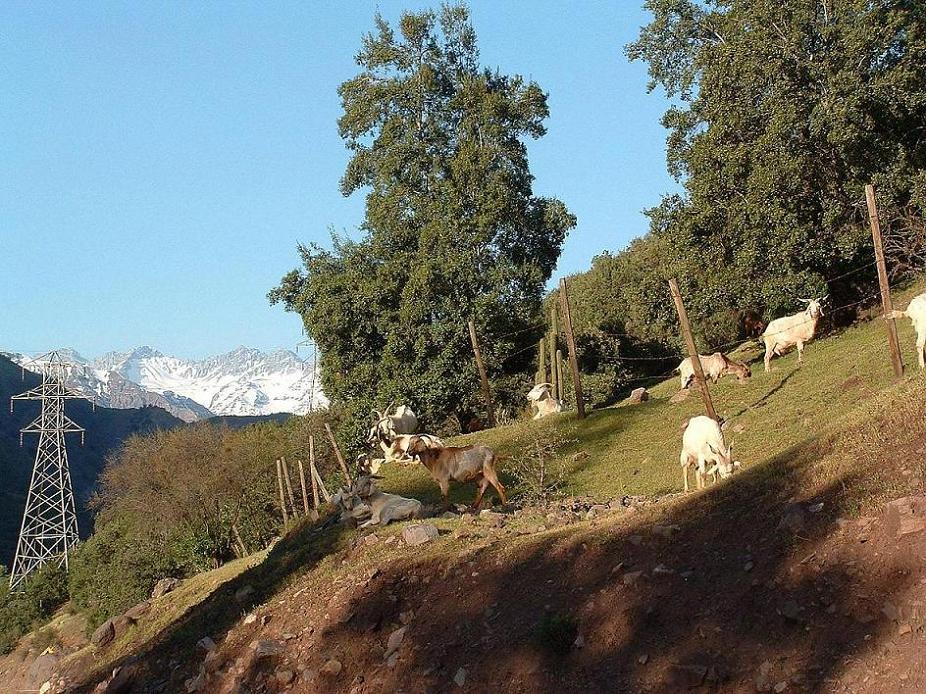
(43, 593)
(538, 468)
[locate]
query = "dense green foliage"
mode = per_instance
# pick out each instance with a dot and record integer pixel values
(783, 111)
(43, 593)
(452, 230)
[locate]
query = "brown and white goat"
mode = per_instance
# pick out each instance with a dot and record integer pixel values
(714, 367)
(459, 464)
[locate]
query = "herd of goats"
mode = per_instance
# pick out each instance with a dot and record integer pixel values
(703, 446)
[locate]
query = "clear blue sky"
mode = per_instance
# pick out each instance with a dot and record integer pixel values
(159, 161)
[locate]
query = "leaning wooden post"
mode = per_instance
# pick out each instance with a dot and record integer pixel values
(337, 453)
(886, 303)
(559, 375)
(289, 487)
(282, 494)
(483, 376)
(571, 345)
(312, 472)
(318, 479)
(305, 496)
(692, 349)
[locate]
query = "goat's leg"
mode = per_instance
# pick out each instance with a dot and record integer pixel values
(800, 352)
(769, 349)
(444, 490)
(483, 485)
(492, 476)
(921, 350)
(683, 461)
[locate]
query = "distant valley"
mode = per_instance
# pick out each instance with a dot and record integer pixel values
(243, 382)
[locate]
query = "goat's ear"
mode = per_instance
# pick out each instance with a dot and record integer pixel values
(713, 450)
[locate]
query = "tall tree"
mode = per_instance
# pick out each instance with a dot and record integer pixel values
(452, 229)
(783, 111)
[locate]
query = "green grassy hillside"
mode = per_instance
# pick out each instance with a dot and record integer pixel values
(633, 448)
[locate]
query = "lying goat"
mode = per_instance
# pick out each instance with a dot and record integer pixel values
(784, 333)
(703, 446)
(714, 367)
(459, 464)
(542, 401)
(916, 312)
(363, 500)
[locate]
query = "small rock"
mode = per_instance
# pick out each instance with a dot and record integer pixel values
(285, 676)
(250, 619)
(266, 648)
(395, 641)
(638, 395)
(905, 516)
(643, 659)
(371, 539)
(135, 613)
(244, 593)
(206, 643)
(747, 567)
(662, 569)
(780, 687)
(763, 680)
(815, 508)
(103, 634)
(419, 534)
(790, 610)
(289, 637)
(680, 396)
(332, 668)
(579, 642)
(164, 586)
(631, 577)
(460, 678)
(904, 629)
(195, 684)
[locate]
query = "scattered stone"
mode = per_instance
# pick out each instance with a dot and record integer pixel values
(687, 676)
(419, 534)
(460, 678)
(579, 642)
(815, 508)
(662, 569)
(244, 593)
(285, 676)
(794, 519)
(371, 539)
(496, 519)
(631, 577)
(781, 686)
(195, 684)
(790, 610)
(904, 629)
(103, 634)
(763, 680)
(643, 659)
(905, 516)
(638, 395)
(206, 643)
(395, 641)
(164, 586)
(266, 648)
(332, 668)
(250, 619)
(738, 428)
(747, 567)
(135, 613)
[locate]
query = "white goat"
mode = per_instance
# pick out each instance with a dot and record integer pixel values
(786, 332)
(542, 401)
(703, 445)
(916, 312)
(387, 426)
(714, 367)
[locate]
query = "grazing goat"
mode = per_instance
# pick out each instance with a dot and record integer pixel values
(459, 464)
(542, 401)
(714, 367)
(786, 332)
(916, 312)
(753, 325)
(387, 426)
(703, 445)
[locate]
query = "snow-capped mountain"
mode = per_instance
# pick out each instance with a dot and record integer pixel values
(242, 382)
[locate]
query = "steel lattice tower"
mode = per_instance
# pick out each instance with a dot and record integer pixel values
(49, 527)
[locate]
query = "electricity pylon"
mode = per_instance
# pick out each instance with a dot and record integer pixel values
(49, 527)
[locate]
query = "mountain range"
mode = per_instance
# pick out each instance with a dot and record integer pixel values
(243, 382)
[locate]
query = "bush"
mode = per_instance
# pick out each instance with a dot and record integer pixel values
(114, 570)
(44, 592)
(538, 473)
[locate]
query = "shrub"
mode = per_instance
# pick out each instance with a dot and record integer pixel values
(538, 471)
(44, 592)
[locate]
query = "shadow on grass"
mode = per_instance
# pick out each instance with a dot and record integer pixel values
(727, 592)
(297, 552)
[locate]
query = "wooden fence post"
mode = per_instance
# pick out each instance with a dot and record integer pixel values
(337, 453)
(692, 349)
(483, 376)
(555, 354)
(886, 303)
(289, 487)
(571, 344)
(559, 375)
(305, 496)
(312, 472)
(282, 494)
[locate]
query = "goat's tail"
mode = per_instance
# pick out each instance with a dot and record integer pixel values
(893, 315)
